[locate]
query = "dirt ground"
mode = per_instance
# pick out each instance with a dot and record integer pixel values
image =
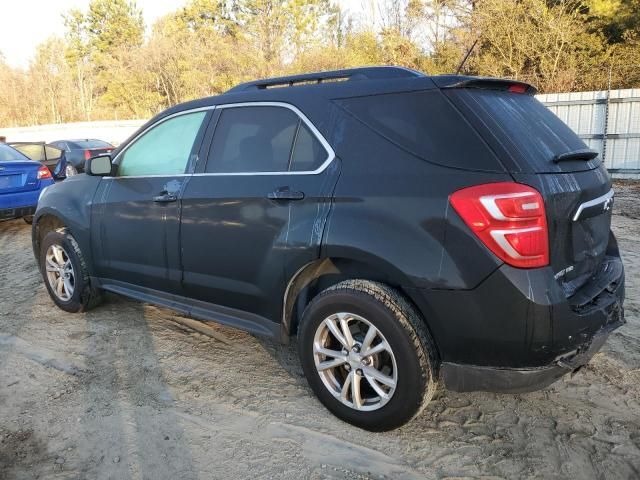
(125, 392)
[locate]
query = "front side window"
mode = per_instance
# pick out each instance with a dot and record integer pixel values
(252, 139)
(163, 150)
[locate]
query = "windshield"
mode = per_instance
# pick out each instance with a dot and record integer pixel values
(8, 154)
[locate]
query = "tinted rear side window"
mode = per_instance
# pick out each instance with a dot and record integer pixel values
(252, 139)
(529, 130)
(427, 125)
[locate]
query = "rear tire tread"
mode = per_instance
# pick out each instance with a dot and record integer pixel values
(412, 323)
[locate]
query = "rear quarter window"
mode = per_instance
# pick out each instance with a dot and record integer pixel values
(427, 125)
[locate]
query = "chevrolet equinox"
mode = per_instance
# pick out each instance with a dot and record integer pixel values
(409, 229)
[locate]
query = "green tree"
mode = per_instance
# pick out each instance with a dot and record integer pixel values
(113, 25)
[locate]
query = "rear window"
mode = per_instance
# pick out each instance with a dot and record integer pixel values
(427, 125)
(8, 154)
(528, 129)
(92, 144)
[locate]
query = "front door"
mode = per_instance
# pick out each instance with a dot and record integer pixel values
(262, 192)
(136, 213)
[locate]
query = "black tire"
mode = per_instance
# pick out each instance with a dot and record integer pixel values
(404, 330)
(28, 219)
(84, 296)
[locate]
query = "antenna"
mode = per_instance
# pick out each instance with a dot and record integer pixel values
(464, 60)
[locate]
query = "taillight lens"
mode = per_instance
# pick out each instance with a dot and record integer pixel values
(44, 173)
(87, 154)
(510, 220)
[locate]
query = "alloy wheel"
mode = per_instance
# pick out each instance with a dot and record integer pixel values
(60, 274)
(355, 361)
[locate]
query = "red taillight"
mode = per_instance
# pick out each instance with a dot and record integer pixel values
(517, 88)
(43, 173)
(87, 154)
(510, 220)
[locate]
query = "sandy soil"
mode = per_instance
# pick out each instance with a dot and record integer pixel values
(126, 392)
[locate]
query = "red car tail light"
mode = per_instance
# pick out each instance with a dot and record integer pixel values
(517, 88)
(509, 218)
(87, 154)
(44, 173)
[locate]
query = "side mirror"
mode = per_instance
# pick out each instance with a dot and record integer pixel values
(99, 166)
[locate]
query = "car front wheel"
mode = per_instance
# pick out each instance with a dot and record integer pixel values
(65, 272)
(367, 355)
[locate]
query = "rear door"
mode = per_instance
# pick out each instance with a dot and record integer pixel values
(255, 210)
(136, 213)
(540, 150)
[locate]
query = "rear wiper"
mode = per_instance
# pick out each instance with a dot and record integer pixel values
(582, 154)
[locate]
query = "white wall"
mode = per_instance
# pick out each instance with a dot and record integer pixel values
(114, 132)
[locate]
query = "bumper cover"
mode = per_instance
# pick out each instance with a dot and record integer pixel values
(11, 213)
(470, 378)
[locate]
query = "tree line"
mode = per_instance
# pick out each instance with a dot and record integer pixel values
(107, 67)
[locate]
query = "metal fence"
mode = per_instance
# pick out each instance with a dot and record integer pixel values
(608, 121)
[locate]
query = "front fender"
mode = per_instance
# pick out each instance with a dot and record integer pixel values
(67, 204)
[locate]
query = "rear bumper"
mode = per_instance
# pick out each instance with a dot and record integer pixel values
(517, 331)
(20, 204)
(11, 213)
(471, 378)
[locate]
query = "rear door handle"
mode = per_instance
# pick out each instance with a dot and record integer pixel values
(285, 194)
(165, 197)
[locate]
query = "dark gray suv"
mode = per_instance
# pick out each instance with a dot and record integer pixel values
(408, 229)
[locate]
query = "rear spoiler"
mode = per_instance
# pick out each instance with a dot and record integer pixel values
(484, 83)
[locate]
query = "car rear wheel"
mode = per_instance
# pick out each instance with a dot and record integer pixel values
(367, 355)
(65, 273)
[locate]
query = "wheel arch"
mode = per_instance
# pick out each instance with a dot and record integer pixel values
(47, 220)
(323, 273)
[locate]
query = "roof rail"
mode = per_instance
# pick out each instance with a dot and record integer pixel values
(365, 73)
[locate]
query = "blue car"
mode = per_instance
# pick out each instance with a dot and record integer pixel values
(21, 182)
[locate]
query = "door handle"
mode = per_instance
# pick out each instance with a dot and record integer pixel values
(285, 194)
(165, 197)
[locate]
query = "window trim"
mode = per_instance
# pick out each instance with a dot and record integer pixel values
(314, 131)
(151, 127)
(330, 152)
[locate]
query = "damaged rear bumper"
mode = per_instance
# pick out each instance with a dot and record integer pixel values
(518, 332)
(471, 378)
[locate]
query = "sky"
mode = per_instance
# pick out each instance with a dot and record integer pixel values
(26, 23)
